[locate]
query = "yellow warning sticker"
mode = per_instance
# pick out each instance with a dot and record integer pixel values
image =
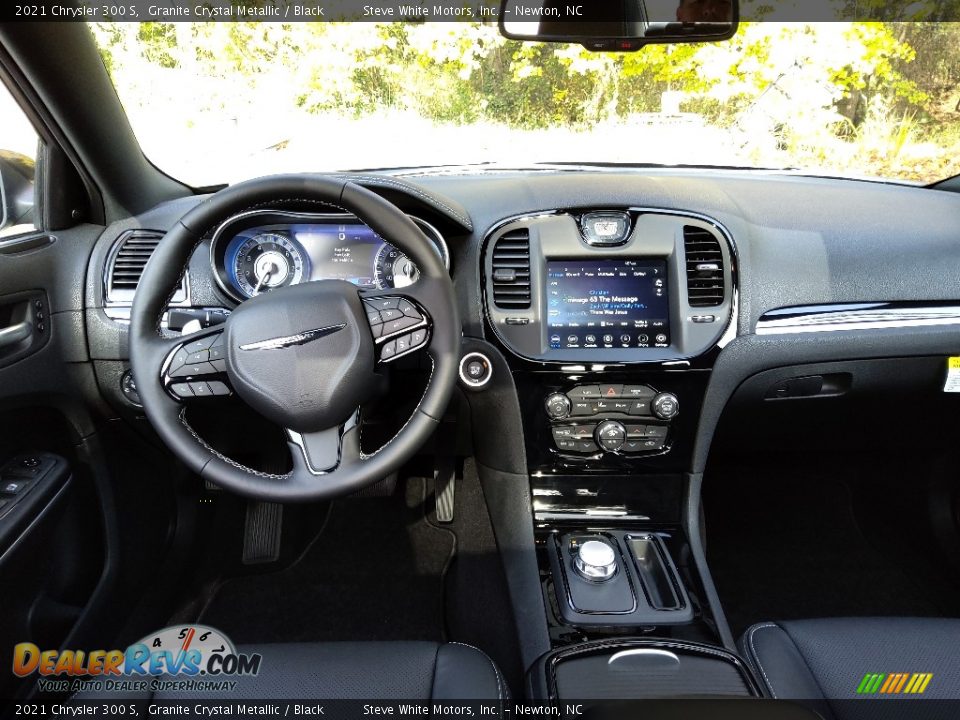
(953, 375)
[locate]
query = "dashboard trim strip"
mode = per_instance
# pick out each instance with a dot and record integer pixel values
(873, 318)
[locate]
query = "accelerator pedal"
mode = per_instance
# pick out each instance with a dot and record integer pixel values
(444, 487)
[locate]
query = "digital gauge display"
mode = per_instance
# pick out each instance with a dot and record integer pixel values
(265, 257)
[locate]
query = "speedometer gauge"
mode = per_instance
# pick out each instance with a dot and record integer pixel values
(393, 269)
(267, 261)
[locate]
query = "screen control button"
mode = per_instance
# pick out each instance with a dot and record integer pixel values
(584, 392)
(639, 407)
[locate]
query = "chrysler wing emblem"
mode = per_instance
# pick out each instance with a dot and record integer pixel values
(291, 340)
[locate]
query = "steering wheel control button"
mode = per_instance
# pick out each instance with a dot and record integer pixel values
(200, 389)
(666, 406)
(595, 561)
(198, 357)
(203, 368)
(558, 406)
(129, 388)
(199, 345)
(388, 350)
(218, 388)
(418, 338)
(407, 308)
(384, 303)
(611, 435)
(182, 390)
(475, 371)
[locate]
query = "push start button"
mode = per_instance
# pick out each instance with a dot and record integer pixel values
(475, 370)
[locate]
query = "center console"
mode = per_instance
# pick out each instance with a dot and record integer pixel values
(610, 319)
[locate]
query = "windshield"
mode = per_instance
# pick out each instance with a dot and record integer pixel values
(215, 103)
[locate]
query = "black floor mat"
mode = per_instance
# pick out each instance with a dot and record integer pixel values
(788, 541)
(375, 573)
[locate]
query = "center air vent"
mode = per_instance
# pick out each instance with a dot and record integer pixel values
(704, 267)
(511, 270)
(130, 258)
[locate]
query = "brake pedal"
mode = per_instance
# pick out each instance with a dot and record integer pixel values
(261, 533)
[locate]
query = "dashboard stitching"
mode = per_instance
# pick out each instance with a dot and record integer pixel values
(364, 456)
(373, 180)
(224, 458)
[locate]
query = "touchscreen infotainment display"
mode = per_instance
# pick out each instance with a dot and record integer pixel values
(610, 303)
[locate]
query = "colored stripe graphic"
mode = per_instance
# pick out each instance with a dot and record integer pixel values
(894, 683)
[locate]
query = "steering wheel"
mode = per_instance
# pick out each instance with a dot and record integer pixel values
(306, 357)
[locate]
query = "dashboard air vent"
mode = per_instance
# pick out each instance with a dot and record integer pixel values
(511, 270)
(129, 259)
(704, 267)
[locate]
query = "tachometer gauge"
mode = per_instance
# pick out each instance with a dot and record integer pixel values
(393, 269)
(268, 261)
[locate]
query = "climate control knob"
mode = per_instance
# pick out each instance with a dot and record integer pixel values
(665, 406)
(558, 406)
(610, 435)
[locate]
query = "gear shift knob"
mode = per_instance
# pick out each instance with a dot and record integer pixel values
(595, 561)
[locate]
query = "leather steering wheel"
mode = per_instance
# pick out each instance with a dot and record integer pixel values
(306, 356)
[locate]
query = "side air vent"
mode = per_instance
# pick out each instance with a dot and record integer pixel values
(126, 267)
(704, 267)
(511, 270)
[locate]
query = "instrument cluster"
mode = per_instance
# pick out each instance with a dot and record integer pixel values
(260, 251)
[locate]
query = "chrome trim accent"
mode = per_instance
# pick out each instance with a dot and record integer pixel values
(644, 652)
(729, 332)
(463, 376)
(302, 338)
(115, 308)
(429, 230)
(863, 319)
(296, 438)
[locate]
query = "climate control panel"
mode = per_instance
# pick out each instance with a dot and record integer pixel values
(613, 418)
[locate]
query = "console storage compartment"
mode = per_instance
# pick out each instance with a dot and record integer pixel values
(639, 669)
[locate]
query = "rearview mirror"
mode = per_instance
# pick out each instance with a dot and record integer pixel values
(622, 25)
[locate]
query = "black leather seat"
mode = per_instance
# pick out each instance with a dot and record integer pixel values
(362, 671)
(825, 661)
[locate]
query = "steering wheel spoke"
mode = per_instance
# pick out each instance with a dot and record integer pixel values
(195, 366)
(398, 322)
(325, 451)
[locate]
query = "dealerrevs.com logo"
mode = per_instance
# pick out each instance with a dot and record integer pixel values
(184, 658)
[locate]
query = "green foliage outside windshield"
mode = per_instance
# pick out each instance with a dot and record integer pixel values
(878, 99)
